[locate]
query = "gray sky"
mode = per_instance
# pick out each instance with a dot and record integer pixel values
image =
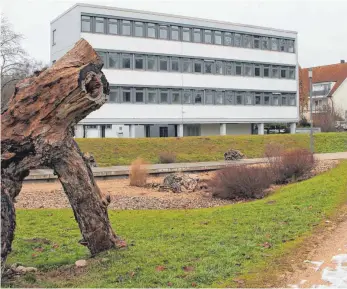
(322, 25)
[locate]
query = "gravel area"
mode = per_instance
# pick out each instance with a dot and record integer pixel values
(124, 197)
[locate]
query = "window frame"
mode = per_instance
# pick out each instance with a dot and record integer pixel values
(116, 90)
(90, 21)
(155, 58)
(274, 95)
(190, 96)
(225, 35)
(164, 58)
(124, 56)
(191, 64)
(242, 95)
(178, 91)
(238, 64)
(285, 69)
(140, 57)
(184, 30)
(195, 93)
(126, 23)
(212, 62)
(153, 26)
(234, 38)
(216, 34)
(136, 90)
(126, 89)
(117, 61)
(142, 25)
(275, 41)
(251, 97)
(264, 40)
(172, 60)
(260, 95)
(163, 27)
(256, 39)
(257, 66)
(272, 71)
(227, 95)
(53, 37)
(250, 66)
(152, 90)
(165, 91)
(226, 64)
(201, 62)
(112, 21)
(178, 30)
(221, 67)
(207, 32)
(99, 21)
(266, 94)
(221, 93)
(248, 37)
(211, 93)
(194, 31)
(291, 72)
(266, 66)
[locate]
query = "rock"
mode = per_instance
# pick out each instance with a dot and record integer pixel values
(178, 183)
(232, 155)
(89, 158)
(23, 270)
(81, 263)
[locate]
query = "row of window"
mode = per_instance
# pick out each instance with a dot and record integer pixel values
(198, 96)
(187, 34)
(113, 60)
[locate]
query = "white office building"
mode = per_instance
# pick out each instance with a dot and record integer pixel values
(181, 76)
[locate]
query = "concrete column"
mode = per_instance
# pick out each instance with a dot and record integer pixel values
(132, 131)
(293, 128)
(180, 130)
(99, 130)
(223, 128)
(79, 131)
(260, 128)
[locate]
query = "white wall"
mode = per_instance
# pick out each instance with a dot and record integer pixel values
(92, 133)
(239, 128)
(209, 129)
(340, 98)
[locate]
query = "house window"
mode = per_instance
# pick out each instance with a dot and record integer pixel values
(103, 56)
(228, 68)
(86, 24)
(114, 96)
(239, 98)
(113, 60)
(237, 40)
(290, 46)
(266, 99)
(126, 95)
(248, 98)
(197, 35)
(151, 96)
(186, 34)
(175, 64)
(187, 96)
(163, 131)
(139, 62)
(218, 38)
(175, 33)
(175, 97)
(198, 94)
(256, 42)
(151, 63)
(282, 44)
(238, 69)
(275, 99)
(151, 31)
(284, 100)
(163, 32)
(275, 72)
(283, 72)
(208, 36)
(292, 73)
(53, 37)
(209, 97)
(265, 43)
(139, 95)
(163, 64)
(227, 38)
(139, 29)
(99, 25)
(219, 96)
(229, 97)
(247, 41)
(274, 44)
(257, 70)
(126, 27)
(208, 67)
(257, 98)
(266, 71)
(113, 26)
(126, 61)
(292, 100)
(187, 65)
(197, 66)
(164, 96)
(219, 67)
(248, 70)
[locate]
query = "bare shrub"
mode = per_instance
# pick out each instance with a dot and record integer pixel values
(240, 182)
(167, 157)
(138, 173)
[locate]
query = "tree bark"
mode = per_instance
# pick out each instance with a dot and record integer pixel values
(37, 131)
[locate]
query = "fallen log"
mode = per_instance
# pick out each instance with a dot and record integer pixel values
(37, 130)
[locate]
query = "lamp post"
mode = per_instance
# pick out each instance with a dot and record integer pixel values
(311, 118)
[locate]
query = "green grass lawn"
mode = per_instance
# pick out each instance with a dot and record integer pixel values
(122, 151)
(214, 245)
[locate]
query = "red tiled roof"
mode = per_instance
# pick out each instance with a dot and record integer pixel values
(327, 73)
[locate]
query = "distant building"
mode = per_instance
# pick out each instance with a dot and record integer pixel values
(182, 76)
(329, 90)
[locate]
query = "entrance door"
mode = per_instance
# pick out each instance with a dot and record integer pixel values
(163, 131)
(103, 128)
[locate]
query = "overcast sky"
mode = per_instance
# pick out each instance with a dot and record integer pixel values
(322, 25)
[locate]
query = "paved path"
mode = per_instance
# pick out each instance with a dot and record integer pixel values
(118, 171)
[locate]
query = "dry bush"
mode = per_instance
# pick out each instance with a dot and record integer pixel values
(138, 173)
(167, 157)
(241, 182)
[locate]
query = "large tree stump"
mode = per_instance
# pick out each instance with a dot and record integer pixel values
(37, 131)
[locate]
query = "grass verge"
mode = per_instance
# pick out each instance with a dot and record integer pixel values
(179, 248)
(122, 151)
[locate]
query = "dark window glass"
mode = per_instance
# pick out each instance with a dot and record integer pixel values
(139, 95)
(266, 99)
(228, 68)
(208, 67)
(284, 100)
(151, 30)
(290, 46)
(139, 63)
(126, 96)
(198, 67)
(163, 64)
(175, 97)
(164, 97)
(99, 25)
(112, 26)
(256, 71)
(237, 40)
(282, 45)
(208, 36)
(113, 60)
(256, 42)
(266, 71)
(175, 65)
(238, 69)
(292, 73)
(187, 66)
(283, 73)
(239, 97)
(126, 61)
(53, 36)
(198, 96)
(265, 43)
(151, 63)
(257, 99)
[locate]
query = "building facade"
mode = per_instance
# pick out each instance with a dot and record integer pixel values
(182, 76)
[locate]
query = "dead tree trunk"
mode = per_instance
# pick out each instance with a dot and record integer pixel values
(37, 131)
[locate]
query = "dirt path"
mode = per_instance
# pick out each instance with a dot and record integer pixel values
(326, 266)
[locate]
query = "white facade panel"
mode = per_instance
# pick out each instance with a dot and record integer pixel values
(239, 128)
(340, 99)
(209, 129)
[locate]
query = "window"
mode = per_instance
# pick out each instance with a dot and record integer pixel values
(256, 42)
(86, 24)
(248, 69)
(139, 62)
(257, 70)
(175, 97)
(175, 64)
(292, 100)
(239, 98)
(229, 97)
(208, 36)
(112, 26)
(164, 96)
(91, 126)
(266, 71)
(227, 38)
(266, 99)
(247, 41)
(139, 29)
(197, 35)
(139, 95)
(284, 100)
(163, 64)
(274, 44)
(219, 96)
(197, 96)
(163, 131)
(275, 99)
(290, 46)
(126, 95)
(186, 34)
(265, 43)
(228, 68)
(187, 65)
(283, 72)
(257, 98)
(292, 73)
(218, 37)
(113, 97)
(53, 37)
(175, 33)
(219, 67)
(275, 72)
(282, 45)
(151, 96)
(99, 25)
(248, 98)
(126, 61)
(113, 60)
(103, 56)
(126, 27)
(187, 96)
(197, 66)
(151, 63)
(163, 32)
(238, 69)
(208, 67)
(209, 95)
(237, 40)
(151, 30)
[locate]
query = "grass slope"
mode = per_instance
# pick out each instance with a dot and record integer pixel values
(217, 244)
(122, 151)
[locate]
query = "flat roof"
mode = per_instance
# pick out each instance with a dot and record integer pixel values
(170, 15)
